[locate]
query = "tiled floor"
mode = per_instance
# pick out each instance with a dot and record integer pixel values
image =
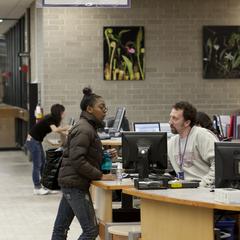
(24, 216)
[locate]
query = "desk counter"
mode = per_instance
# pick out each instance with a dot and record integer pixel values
(114, 185)
(8, 127)
(196, 197)
(114, 142)
(103, 200)
(183, 214)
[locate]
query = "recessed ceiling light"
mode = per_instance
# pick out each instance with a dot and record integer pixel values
(1, 20)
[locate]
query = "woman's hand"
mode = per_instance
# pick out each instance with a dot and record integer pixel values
(108, 177)
(63, 134)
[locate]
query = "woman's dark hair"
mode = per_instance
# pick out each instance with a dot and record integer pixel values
(56, 112)
(205, 121)
(89, 98)
(189, 111)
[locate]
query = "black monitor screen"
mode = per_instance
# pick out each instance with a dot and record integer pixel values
(227, 165)
(144, 152)
(118, 119)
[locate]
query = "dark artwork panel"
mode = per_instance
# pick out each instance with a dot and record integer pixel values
(221, 52)
(124, 52)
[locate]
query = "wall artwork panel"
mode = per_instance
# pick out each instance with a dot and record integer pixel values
(124, 53)
(221, 52)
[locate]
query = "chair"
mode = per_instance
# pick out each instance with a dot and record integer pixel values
(123, 231)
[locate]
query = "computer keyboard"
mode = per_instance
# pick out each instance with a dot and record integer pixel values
(153, 176)
(114, 135)
(145, 184)
(133, 175)
(103, 135)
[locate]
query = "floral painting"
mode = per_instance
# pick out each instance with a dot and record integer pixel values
(124, 53)
(221, 52)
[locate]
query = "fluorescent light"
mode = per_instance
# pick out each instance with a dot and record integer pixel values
(87, 3)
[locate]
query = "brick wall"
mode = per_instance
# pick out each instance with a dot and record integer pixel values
(73, 57)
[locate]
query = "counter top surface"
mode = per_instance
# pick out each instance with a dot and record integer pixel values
(198, 197)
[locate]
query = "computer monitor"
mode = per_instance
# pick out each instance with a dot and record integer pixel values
(118, 119)
(227, 165)
(144, 152)
(165, 127)
(146, 127)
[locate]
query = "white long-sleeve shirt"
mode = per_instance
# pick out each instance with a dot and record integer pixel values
(199, 158)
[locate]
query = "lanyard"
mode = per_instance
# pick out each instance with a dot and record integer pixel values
(181, 155)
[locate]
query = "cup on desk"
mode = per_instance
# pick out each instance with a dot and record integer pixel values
(119, 172)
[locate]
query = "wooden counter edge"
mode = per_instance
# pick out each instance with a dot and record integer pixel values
(102, 184)
(8, 111)
(109, 142)
(150, 196)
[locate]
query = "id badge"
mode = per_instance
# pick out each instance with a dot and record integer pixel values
(180, 175)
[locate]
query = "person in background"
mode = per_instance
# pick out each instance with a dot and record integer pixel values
(50, 123)
(203, 120)
(191, 150)
(81, 163)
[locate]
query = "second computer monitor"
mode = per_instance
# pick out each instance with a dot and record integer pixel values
(146, 127)
(118, 119)
(227, 165)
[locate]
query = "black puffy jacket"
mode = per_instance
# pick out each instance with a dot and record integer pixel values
(82, 154)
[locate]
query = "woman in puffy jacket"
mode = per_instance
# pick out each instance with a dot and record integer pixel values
(82, 157)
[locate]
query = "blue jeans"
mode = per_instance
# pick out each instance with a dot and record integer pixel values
(38, 159)
(75, 202)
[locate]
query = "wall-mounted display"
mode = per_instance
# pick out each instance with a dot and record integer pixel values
(221, 52)
(124, 53)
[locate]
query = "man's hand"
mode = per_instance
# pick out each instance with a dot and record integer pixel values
(112, 153)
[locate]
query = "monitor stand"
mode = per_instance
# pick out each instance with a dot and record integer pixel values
(143, 162)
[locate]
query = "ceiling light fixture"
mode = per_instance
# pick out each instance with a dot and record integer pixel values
(87, 3)
(1, 20)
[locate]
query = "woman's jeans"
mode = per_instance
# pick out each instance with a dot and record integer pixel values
(38, 159)
(75, 202)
